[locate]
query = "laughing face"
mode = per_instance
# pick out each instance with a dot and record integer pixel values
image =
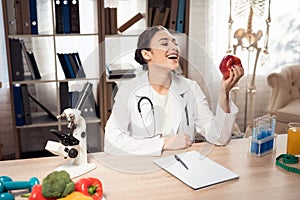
(164, 51)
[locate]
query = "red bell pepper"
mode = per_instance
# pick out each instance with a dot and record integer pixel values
(90, 187)
(36, 194)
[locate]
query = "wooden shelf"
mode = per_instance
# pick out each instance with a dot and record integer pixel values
(45, 46)
(40, 120)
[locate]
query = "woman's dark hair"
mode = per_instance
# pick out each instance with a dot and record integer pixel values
(144, 43)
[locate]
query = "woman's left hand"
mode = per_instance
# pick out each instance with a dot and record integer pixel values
(236, 74)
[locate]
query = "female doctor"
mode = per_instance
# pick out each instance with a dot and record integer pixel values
(160, 110)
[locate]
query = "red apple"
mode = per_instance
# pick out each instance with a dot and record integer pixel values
(227, 62)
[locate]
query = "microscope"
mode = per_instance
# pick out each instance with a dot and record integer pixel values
(73, 146)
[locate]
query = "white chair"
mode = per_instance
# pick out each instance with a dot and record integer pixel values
(285, 96)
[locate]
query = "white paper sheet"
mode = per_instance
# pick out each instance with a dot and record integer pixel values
(201, 171)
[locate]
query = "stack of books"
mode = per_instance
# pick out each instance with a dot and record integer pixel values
(116, 72)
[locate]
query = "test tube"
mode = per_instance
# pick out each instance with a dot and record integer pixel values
(263, 128)
(259, 127)
(269, 130)
(254, 144)
(273, 124)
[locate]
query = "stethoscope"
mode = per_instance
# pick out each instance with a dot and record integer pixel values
(153, 113)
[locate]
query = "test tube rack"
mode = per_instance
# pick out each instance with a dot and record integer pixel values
(263, 140)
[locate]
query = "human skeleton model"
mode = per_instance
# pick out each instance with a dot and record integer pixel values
(248, 39)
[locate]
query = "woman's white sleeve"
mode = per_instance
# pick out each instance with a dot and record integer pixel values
(216, 129)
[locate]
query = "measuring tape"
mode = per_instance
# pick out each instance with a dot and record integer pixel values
(284, 159)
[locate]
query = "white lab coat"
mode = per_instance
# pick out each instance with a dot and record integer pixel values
(125, 132)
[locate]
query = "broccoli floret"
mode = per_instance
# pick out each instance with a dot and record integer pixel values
(57, 184)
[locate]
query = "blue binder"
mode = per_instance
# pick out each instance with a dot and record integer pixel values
(73, 64)
(19, 113)
(64, 65)
(69, 65)
(66, 16)
(180, 16)
(81, 73)
(33, 16)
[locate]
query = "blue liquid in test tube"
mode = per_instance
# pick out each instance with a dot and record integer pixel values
(254, 146)
(264, 144)
(269, 143)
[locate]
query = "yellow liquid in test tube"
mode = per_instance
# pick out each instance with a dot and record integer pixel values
(293, 140)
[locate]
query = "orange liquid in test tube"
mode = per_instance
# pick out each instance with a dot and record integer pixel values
(293, 140)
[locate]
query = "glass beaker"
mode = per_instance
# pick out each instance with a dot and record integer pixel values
(293, 139)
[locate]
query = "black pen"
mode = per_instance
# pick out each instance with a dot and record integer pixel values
(178, 159)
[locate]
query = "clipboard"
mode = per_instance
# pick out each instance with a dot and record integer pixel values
(201, 172)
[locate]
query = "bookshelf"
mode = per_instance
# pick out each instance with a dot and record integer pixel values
(97, 48)
(45, 41)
